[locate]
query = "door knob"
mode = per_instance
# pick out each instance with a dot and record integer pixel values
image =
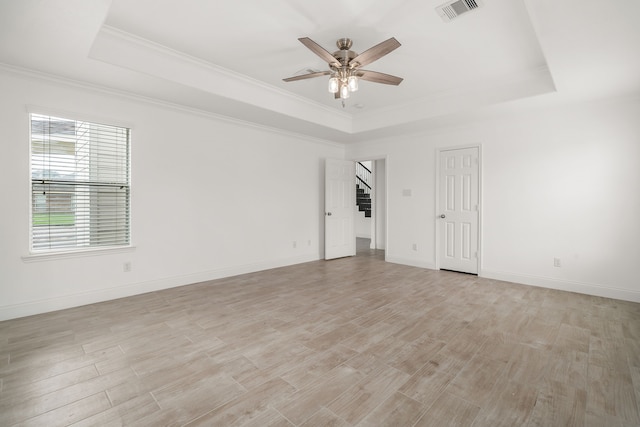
(442, 216)
(328, 213)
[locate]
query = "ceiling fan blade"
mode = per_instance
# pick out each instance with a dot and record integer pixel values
(374, 53)
(320, 51)
(307, 76)
(376, 77)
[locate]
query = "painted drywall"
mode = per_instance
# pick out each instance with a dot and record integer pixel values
(380, 175)
(210, 198)
(363, 225)
(561, 182)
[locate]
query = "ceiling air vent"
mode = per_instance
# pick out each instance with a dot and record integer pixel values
(453, 9)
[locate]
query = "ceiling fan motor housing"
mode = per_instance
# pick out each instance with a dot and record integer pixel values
(344, 55)
(344, 43)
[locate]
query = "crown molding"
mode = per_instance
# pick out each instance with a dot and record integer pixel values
(133, 39)
(117, 93)
(536, 81)
(126, 50)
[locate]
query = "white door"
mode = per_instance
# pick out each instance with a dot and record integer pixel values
(339, 209)
(458, 216)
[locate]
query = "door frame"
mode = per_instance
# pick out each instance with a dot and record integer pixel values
(375, 202)
(436, 223)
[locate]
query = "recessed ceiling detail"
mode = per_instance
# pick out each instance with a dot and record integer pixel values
(520, 55)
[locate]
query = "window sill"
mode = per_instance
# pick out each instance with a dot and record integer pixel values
(48, 256)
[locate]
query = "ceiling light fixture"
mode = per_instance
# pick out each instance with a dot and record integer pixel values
(352, 82)
(343, 81)
(344, 66)
(334, 85)
(344, 91)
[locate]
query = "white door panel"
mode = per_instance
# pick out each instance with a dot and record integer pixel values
(458, 219)
(340, 203)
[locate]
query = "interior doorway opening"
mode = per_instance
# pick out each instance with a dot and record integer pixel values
(370, 220)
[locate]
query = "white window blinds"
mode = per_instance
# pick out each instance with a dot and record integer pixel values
(79, 184)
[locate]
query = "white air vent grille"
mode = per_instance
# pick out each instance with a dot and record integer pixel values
(453, 9)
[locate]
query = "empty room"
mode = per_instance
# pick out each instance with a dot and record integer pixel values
(337, 213)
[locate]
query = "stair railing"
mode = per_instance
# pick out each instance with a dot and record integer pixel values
(363, 177)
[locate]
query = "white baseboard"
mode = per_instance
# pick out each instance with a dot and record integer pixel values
(540, 281)
(410, 262)
(564, 285)
(83, 298)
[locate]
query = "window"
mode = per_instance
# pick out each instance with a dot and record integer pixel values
(79, 184)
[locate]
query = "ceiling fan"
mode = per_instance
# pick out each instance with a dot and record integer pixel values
(344, 65)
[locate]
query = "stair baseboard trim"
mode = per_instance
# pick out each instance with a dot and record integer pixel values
(14, 311)
(564, 285)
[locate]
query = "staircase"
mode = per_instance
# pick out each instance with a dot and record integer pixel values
(363, 200)
(363, 189)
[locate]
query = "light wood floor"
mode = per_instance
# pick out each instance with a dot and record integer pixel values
(348, 342)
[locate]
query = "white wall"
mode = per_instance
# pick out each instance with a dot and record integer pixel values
(363, 225)
(380, 175)
(210, 198)
(556, 183)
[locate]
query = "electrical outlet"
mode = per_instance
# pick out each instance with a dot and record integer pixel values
(295, 244)
(415, 246)
(308, 242)
(556, 262)
(126, 267)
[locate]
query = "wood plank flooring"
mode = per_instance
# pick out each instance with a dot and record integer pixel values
(349, 342)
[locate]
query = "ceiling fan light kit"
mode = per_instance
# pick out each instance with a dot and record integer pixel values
(334, 85)
(352, 83)
(344, 92)
(344, 66)
(343, 81)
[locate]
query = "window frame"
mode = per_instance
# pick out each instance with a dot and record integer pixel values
(75, 251)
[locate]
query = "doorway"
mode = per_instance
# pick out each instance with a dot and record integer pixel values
(370, 219)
